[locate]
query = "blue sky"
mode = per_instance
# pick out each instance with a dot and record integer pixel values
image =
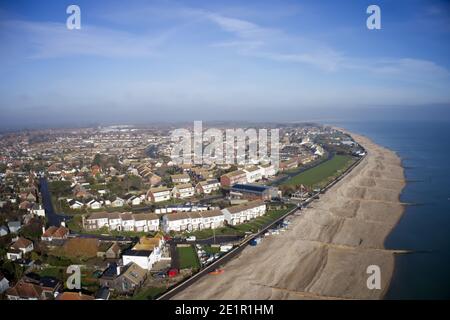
(146, 61)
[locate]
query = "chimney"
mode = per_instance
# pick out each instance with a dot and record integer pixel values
(63, 224)
(43, 229)
(118, 270)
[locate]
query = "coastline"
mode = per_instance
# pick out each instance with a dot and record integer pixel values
(326, 251)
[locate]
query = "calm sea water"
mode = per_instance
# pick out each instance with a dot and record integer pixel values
(425, 150)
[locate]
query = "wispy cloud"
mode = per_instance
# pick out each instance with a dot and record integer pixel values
(50, 40)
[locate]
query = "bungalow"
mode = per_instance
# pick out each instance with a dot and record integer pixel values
(228, 179)
(54, 233)
(207, 186)
(245, 212)
(158, 194)
(133, 200)
(109, 250)
(94, 204)
(180, 178)
(118, 202)
(124, 279)
(23, 245)
(25, 291)
(74, 204)
(183, 191)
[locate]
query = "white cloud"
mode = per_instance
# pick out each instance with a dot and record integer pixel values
(49, 40)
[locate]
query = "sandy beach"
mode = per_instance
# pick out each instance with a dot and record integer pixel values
(327, 249)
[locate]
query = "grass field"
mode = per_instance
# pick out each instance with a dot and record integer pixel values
(322, 174)
(188, 258)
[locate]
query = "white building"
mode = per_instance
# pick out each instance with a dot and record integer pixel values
(207, 186)
(183, 191)
(118, 203)
(245, 212)
(158, 194)
(94, 204)
(192, 220)
(268, 170)
(253, 174)
(136, 222)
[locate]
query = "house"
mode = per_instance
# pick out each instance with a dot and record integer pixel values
(124, 279)
(96, 221)
(4, 283)
(212, 219)
(23, 244)
(25, 291)
(228, 179)
(245, 212)
(38, 210)
(74, 204)
(50, 286)
(145, 253)
(254, 191)
(133, 200)
(54, 233)
(73, 296)
(208, 186)
(180, 178)
(253, 174)
(94, 204)
(14, 226)
(118, 203)
(158, 194)
(145, 222)
(182, 191)
(109, 250)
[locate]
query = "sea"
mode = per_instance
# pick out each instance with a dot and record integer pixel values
(424, 147)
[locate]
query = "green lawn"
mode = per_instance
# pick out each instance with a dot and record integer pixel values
(251, 226)
(320, 175)
(188, 258)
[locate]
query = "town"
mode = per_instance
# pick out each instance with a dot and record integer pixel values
(112, 201)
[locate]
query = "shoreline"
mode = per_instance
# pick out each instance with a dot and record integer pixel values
(325, 253)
